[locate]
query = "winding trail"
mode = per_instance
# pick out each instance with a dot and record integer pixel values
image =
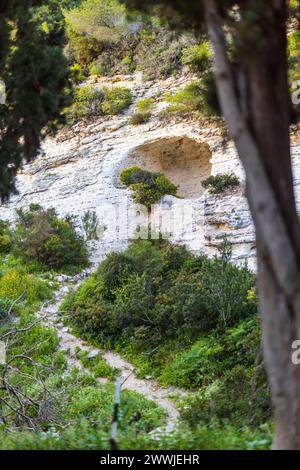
(50, 316)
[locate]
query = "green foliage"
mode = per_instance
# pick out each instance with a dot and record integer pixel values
(139, 118)
(93, 28)
(199, 95)
(87, 418)
(35, 72)
(5, 243)
(158, 51)
(294, 70)
(219, 183)
(18, 284)
(103, 20)
(5, 237)
(294, 55)
(189, 321)
(83, 436)
(77, 73)
(87, 103)
(108, 39)
(82, 49)
(239, 396)
(154, 291)
(148, 187)
(90, 225)
(82, 419)
(97, 69)
(198, 56)
(40, 235)
(128, 63)
(65, 408)
(116, 100)
(145, 105)
(144, 110)
(97, 365)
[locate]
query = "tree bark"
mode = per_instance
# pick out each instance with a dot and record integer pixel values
(259, 125)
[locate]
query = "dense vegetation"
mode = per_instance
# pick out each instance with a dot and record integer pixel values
(35, 376)
(160, 306)
(91, 102)
(41, 237)
(185, 320)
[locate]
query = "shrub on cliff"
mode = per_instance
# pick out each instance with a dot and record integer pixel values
(219, 183)
(198, 56)
(148, 187)
(41, 235)
(89, 102)
(144, 110)
(86, 103)
(200, 95)
(116, 100)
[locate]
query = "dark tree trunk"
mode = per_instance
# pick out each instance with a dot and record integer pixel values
(269, 118)
(259, 120)
(269, 107)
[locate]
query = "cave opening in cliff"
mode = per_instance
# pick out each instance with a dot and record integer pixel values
(185, 161)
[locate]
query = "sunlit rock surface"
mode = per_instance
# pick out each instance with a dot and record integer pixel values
(78, 171)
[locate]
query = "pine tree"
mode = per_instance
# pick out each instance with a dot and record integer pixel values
(35, 72)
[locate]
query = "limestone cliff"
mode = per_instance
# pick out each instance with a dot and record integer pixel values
(78, 170)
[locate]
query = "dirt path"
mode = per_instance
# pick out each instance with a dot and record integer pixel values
(69, 343)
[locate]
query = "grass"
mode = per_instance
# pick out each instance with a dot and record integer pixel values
(97, 365)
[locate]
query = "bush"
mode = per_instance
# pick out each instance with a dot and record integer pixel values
(87, 102)
(77, 73)
(219, 183)
(294, 70)
(144, 109)
(188, 320)
(237, 398)
(5, 244)
(5, 237)
(145, 105)
(4, 309)
(97, 69)
(40, 235)
(82, 49)
(17, 284)
(148, 187)
(139, 118)
(198, 56)
(96, 364)
(199, 95)
(116, 100)
(91, 102)
(82, 419)
(93, 27)
(154, 291)
(158, 52)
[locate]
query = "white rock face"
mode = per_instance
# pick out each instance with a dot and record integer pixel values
(78, 171)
